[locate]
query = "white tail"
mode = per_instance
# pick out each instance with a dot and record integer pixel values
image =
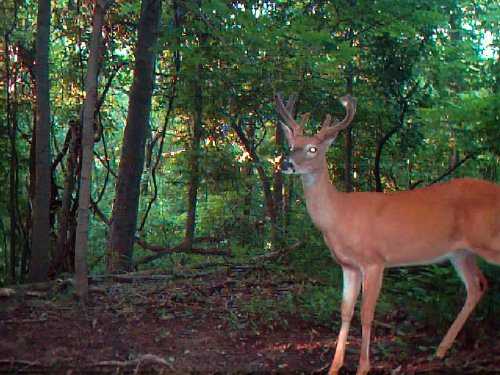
(367, 232)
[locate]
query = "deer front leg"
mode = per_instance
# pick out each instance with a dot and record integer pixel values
(372, 282)
(352, 284)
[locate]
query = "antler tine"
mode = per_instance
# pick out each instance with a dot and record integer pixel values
(350, 105)
(291, 101)
(327, 122)
(304, 119)
(286, 112)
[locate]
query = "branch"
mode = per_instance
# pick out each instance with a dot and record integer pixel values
(107, 86)
(60, 155)
(446, 174)
(128, 278)
(143, 359)
(161, 251)
(378, 155)
(97, 212)
(452, 169)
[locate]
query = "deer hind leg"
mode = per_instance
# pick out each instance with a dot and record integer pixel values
(352, 284)
(475, 283)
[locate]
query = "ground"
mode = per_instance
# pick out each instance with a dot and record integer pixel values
(185, 325)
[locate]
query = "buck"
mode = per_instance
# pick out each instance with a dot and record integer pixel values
(367, 232)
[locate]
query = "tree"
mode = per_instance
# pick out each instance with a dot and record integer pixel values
(41, 205)
(126, 203)
(194, 178)
(426, 86)
(88, 119)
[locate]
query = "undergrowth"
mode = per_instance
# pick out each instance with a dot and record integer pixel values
(413, 300)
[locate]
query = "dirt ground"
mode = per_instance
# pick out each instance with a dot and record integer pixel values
(192, 326)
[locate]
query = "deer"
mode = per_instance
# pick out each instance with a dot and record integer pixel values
(367, 232)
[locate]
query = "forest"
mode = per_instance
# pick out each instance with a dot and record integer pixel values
(146, 224)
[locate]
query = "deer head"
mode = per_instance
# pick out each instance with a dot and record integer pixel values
(306, 152)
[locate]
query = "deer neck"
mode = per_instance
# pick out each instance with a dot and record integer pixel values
(320, 195)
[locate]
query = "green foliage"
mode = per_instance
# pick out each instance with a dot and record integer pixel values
(417, 65)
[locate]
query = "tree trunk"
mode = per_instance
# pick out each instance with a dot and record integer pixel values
(13, 164)
(278, 176)
(64, 248)
(348, 160)
(378, 155)
(265, 180)
(348, 146)
(194, 179)
(41, 204)
(247, 172)
(81, 278)
(124, 217)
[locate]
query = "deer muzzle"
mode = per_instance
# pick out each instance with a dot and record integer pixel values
(287, 167)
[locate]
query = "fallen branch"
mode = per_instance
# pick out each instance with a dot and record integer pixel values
(19, 362)
(31, 289)
(19, 366)
(384, 325)
(143, 359)
(7, 292)
(129, 278)
(24, 321)
(161, 251)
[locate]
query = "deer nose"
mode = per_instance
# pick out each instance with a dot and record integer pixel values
(287, 167)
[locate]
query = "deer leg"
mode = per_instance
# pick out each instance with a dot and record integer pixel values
(352, 283)
(372, 283)
(475, 283)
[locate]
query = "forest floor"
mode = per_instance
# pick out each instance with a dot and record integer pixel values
(197, 325)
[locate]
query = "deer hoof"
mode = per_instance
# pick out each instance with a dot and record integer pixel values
(441, 351)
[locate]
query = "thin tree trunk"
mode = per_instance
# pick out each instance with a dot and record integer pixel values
(247, 199)
(63, 248)
(378, 155)
(13, 163)
(194, 179)
(41, 205)
(348, 144)
(88, 118)
(348, 160)
(278, 176)
(26, 256)
(265, 180)
(124, 217)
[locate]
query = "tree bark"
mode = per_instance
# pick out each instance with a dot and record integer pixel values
(41, 205)
(88, 118)
(194, 179)
(64, 247)
(348, 144)
(124, 217)
(13, 164)
(348, 160)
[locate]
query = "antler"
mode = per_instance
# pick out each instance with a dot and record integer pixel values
(327, 131)
(286, 113)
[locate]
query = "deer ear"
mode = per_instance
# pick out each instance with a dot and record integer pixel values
(288, 132)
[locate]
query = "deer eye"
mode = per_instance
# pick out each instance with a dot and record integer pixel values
(313, 149)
